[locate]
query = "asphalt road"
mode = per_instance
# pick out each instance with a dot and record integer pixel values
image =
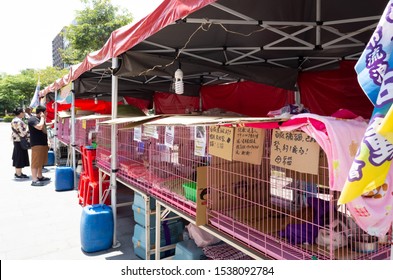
(40, 223)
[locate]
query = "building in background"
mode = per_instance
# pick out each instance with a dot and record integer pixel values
(59, 42)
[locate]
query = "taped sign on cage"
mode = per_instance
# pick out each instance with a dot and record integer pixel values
(294, 150)
(200, 140)
(150, 131)
(248, 145)
(221, 141)
(169, 136)
(138, 133)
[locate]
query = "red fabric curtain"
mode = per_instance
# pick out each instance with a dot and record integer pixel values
(247, 98)
(142, 104)
(50, 115)
(101, 107)
(326, 92)
(170, 103)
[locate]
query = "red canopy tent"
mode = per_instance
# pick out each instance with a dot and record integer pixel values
(128, 36)
(229, 41)
(278, 47)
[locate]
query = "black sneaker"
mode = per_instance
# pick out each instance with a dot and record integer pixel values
(43, 179)
(21, 176)
(37, 184)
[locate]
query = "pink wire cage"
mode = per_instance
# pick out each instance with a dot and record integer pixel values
(285, 214)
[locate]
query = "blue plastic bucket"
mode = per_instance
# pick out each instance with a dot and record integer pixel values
(51, 159)
(96, 229)
(64, 178)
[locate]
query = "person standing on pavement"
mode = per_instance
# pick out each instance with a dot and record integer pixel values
(39, 145)
(28, 114)
(20, 157)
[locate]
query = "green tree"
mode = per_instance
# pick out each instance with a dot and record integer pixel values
(49, 75)
(92, 28)
(17, 90)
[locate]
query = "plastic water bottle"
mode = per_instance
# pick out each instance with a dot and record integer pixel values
(186, 235)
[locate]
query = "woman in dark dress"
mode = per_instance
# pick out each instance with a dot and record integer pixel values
(20, 157)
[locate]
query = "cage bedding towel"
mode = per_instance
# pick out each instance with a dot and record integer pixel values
(327, 131)
(307, 232)
(375, 75)
(371, 211)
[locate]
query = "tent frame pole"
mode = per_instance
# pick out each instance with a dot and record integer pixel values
(55, 142)
(73, 159)
(113, 179)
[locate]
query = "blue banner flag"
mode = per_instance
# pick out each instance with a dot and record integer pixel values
(375, 75)
(375, 66)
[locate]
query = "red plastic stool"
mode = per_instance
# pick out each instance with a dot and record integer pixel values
(92, 195)
(84, 182)
(87, 176)
(91, 191)
(84, 178)
(92, 171)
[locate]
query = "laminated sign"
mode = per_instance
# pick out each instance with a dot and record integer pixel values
(221, 141)
(199, 133)
(138, 133)
(150, 131)
(169, 136)
(294, 150)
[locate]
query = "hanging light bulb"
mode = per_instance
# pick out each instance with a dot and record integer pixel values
(179, 85)
(95, 100)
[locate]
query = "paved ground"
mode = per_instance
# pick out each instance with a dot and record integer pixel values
(42, 224)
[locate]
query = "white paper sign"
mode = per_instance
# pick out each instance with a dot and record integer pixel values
(151, 131)
(200, 141)
(138, 133)
(169, 136)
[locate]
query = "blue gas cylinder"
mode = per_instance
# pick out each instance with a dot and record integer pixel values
(64, 178)
(51, 158)
(96, 229)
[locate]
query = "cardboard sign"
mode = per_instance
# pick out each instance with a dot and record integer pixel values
(295, 151)
(221, 141)
(248, 144)
(201, 196)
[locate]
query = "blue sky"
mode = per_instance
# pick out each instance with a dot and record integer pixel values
(27, 33)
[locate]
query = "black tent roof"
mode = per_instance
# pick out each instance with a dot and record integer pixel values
(259, 40)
